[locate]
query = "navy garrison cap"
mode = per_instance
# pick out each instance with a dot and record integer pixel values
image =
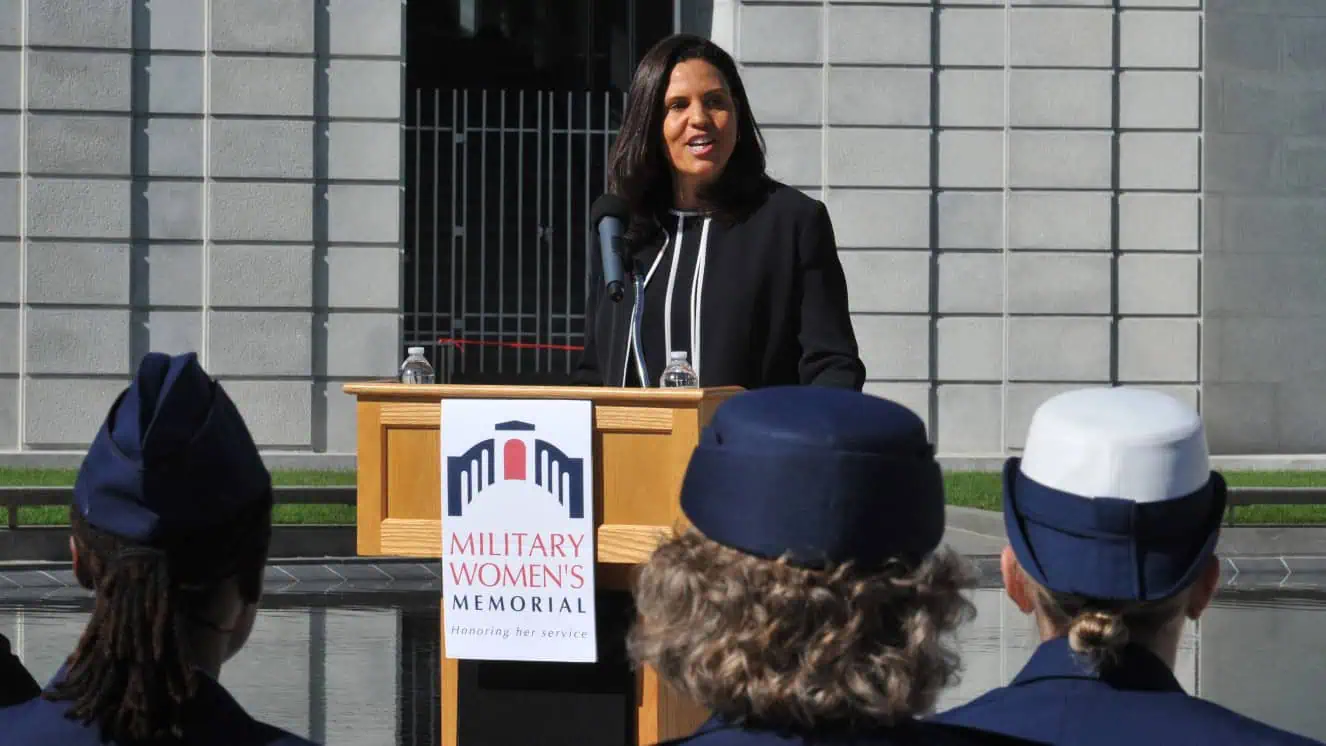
(1113, 497)
(818, 475)
(173, 457)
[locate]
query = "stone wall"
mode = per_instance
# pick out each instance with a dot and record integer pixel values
(218, 175)
(1015, 188)
(1264, 299)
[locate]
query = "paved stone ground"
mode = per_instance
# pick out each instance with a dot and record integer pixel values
(1251, 557)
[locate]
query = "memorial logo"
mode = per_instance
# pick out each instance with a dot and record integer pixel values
(555, 473)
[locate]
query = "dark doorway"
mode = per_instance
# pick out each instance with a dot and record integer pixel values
(511, 108)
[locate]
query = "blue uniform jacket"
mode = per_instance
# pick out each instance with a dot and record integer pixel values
(716, 732)
(1055, 700)
(16, 684)
(217, 720)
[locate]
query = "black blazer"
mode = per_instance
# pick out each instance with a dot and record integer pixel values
(775, 305)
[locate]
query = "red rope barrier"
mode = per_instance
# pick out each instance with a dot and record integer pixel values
(460, 343)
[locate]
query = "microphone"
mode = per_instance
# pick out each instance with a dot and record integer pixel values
(609, 215)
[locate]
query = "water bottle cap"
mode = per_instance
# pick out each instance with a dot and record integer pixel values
(677, 355)
(414, 350)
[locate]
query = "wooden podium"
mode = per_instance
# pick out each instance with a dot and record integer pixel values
(642, 440)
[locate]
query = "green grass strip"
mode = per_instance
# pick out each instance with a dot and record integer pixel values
(964, 489)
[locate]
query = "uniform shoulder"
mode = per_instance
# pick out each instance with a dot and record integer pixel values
(1242, 729)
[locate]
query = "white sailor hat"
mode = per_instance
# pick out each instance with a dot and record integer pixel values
(1113, 497)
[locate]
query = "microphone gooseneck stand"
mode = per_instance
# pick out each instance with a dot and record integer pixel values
(637, 312)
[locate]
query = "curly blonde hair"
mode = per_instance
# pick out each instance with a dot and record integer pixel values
(763, 641)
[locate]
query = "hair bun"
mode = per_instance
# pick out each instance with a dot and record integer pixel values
(1098, 635)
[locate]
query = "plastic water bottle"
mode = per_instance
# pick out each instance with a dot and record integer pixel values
(416, 368)
(679, 374)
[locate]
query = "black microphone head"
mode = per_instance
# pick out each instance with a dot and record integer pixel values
(609, 206)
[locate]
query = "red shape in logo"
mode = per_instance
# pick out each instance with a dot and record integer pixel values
(513, 460)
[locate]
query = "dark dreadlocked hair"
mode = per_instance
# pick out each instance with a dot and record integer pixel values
(132, 672)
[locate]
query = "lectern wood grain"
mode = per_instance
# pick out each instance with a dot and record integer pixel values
(643, 439)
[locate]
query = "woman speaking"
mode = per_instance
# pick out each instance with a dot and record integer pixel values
(740, 272)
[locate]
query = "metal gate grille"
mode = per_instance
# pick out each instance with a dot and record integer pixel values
(498, 189)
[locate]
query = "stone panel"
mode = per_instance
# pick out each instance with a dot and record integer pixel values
(262, 149)
(260, 343)
(894, 347)
(169, 147)
(971, 220)
(167, 274)
(362, 345)
(92, 341)
(1061, 98)
(172, 210)
(78, 145)
(1158, 284)
(1059, 159)
(67, 208)
(1047, 348)
(172, 24)
(880, 218)
(78, 273)
(891, 157)
(363, 277)
(263, 276)
(262, 26)
(970, 348)
(971, 98)
(169, 84)
(1159, 161)
(877, 35)
(887, 281)
(364, 150)
(1159, 222)
(79, 23)
(365, 27)
(261, 212)
(263, 86)
(879, 96)
(971, 37)
(72, 409)
(360, 213)
(971, 159)
(1059, 283)
(970, 282)
(1062, 37)
(278, 413)
(1158, 350)
(772, 33)
(1060, 220)
(794, 155)
(365, 88)
(1160, 38)
(970, 419)
(78, 81)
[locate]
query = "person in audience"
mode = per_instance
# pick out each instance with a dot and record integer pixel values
(809, 599)
(171, 522)
(16, 684)
(1112, 513)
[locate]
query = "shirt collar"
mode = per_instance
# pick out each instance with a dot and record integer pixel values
(1137, 669)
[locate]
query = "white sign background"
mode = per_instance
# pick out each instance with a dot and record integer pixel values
(517, 569)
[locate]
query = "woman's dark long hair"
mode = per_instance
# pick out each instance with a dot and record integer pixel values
(639, 170)
(132, 672)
